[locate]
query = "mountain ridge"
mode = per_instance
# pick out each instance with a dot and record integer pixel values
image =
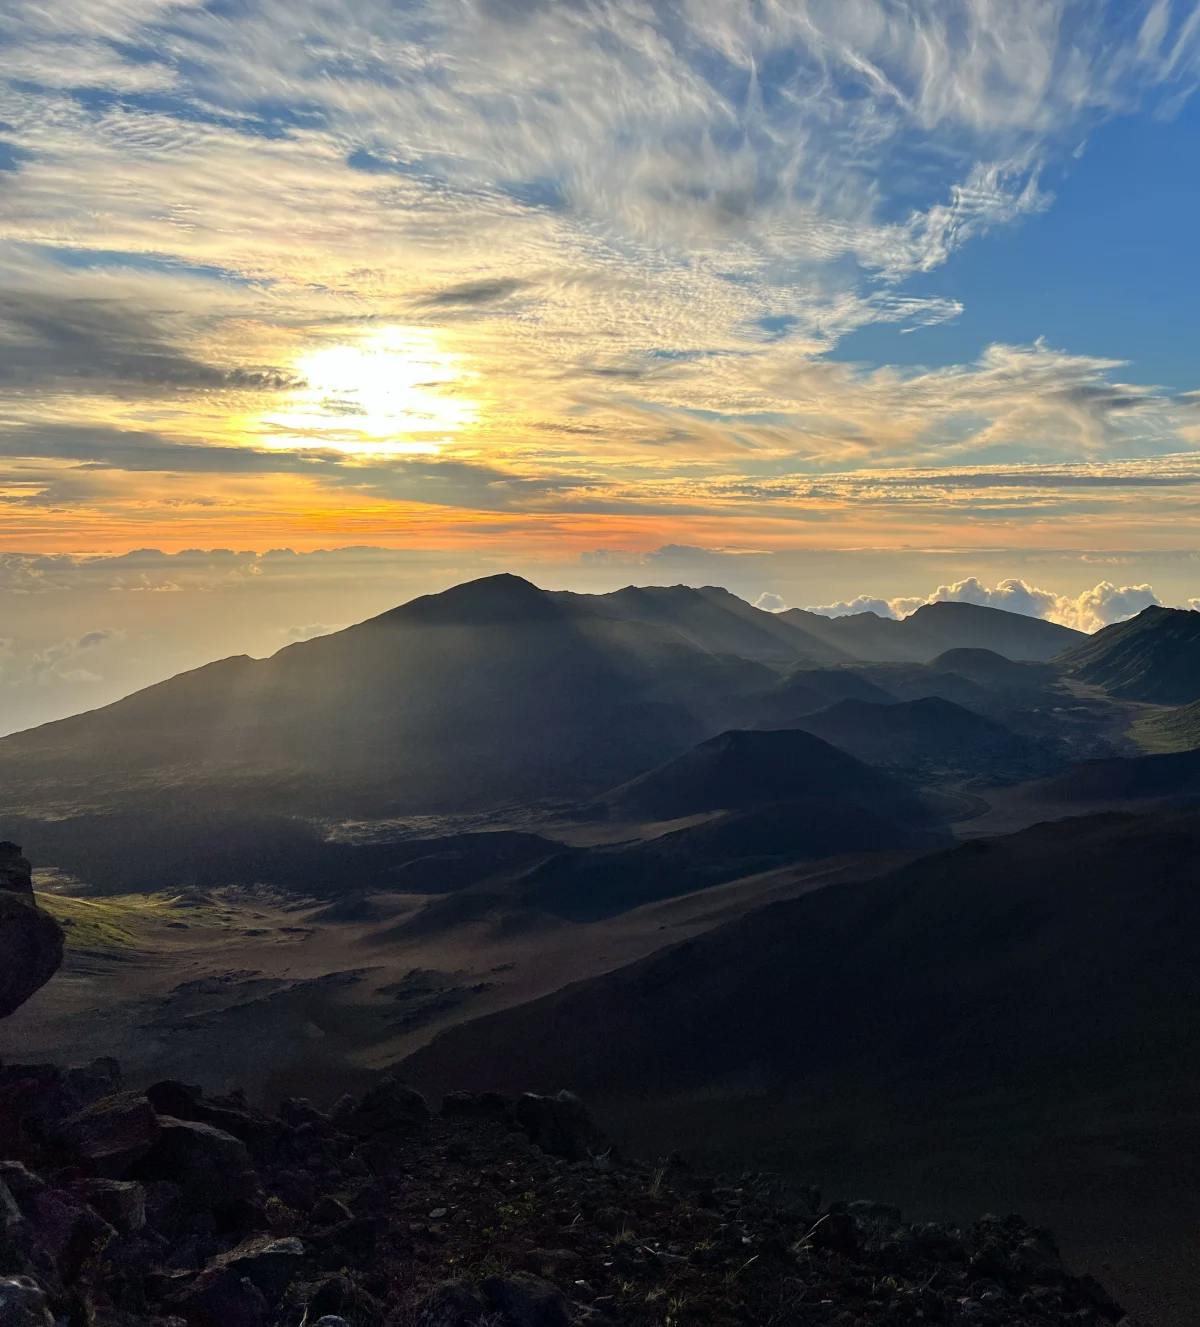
(1154, 657)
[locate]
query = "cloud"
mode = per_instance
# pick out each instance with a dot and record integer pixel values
(862, 604)
(82, 344)
(484, 290)
(310, 632)
(1105, 604)
(770, 602)
(635, 232)
(1091, 609)
(60, 662)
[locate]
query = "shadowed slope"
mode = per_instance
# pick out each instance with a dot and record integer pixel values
(740, 770)
(492, 691)
(1048, 948)
(1153, 657)
(927, 735)
(936, 628)
(713, 619)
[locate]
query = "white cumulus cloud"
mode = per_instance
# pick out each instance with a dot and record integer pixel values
(1100, 606)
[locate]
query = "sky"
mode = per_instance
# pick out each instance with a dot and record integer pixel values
(309, 307)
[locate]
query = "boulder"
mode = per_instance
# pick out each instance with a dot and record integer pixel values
(560, 1125)
(62, 1236)
(122, 1203)
(219, 1297)
(526, 1301)
(231, 1116)
(451, 1304)
(23, 1303)
(330, 1211)
(476, 1106)
(211, 1168)
(16, 874)
(268, 1264)
(338, 1295)
(31, 949)
(387, 1107)
(111, 1134)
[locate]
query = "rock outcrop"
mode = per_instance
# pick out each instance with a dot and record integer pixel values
(117, 1214)
(31, 941)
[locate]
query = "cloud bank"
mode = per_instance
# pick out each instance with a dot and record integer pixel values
(1100, 606)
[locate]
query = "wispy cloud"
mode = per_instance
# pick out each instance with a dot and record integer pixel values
(634, 231)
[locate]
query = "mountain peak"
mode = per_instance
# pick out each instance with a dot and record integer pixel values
(488, 601)
(952, 607)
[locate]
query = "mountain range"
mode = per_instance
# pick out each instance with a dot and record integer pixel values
(935, 628)
(491, 692)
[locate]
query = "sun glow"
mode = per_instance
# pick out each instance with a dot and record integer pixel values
(392, 392)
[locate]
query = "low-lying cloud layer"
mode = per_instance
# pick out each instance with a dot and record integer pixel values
(1100, 606)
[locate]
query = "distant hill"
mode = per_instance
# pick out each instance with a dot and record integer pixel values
(490, 692)
(1153, 657)
(741, 770)
(806, 690)
(931, 735)
(917, 681)
(937, 627)
(990, 669)
(760, 799)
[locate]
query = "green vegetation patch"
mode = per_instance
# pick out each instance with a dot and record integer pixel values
(118, 923)
(1167, 731)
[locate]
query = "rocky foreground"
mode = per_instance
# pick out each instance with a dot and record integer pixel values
(122, 1207)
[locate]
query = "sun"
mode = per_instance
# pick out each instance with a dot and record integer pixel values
(394, 391)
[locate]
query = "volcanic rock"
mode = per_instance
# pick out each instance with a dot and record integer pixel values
(31, 941)
(560, 1125)
(112, 1133)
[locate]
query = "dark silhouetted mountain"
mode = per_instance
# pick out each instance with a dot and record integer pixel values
(938, 627)
(952, 626)
(742, 770)
(1153, 657)
(492, 691)
(917, 681)
(805, 691)
(862, 635)
(928, 736)
(1051, 952)
(993, 670)
(712, 619)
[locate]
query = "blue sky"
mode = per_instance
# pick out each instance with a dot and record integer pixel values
(1111, 267)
